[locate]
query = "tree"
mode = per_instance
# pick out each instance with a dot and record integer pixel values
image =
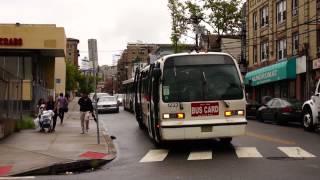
(179, 24)
(86, 83)
(224, 16)
(72, 76)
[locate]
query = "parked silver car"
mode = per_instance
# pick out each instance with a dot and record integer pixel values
(108, 104)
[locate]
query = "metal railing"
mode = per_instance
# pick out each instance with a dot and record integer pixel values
(10, 95)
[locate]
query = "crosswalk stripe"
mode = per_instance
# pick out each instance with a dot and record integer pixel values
(200, 155)
(247, 152)
(155, 155)
(296, 152)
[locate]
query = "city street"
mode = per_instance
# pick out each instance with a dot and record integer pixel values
(180, 160)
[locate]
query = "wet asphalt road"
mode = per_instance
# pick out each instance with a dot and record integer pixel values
(133, 144)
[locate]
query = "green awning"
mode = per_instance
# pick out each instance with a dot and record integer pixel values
(276, 72)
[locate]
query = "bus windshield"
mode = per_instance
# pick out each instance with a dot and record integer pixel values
(196, 78)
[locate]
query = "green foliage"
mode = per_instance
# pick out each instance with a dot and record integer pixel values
(179, 23)
(225, 15)
(25, 123)
(86, 83)
(72, 76)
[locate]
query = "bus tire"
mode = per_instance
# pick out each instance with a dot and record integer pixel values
(226, 141)
(155, 133)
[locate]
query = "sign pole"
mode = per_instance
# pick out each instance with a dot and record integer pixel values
(93, 56)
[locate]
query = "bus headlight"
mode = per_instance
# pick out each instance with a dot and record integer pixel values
(234, 113)
(166, 116)
(240, 113)
(174, 116)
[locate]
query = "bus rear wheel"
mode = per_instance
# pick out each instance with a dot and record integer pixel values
(226, 141)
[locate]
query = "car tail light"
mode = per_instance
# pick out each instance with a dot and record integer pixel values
(286, 109)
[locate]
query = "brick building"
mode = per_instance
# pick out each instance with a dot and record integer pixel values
(72, 51)
(282, 48)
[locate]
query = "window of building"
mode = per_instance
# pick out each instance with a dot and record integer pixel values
(282, 49)
(264, 16)
(281, 11)
(295, 43)
(255, 55)
(294, 7)
(255, 21)
(264, 51)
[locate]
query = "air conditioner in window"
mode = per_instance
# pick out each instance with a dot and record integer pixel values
(295, 11)
(294, 52)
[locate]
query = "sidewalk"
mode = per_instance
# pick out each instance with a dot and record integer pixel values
(32, 153)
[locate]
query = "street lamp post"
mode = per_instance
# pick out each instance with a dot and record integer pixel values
(112, 84)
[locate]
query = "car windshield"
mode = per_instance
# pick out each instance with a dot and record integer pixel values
(201, 78)
(105, 99)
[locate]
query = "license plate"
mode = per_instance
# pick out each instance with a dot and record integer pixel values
(204, 109)
(206, 128)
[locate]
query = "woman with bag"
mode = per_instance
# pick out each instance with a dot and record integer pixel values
(62, 104)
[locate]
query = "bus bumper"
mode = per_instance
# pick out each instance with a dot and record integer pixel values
(203, 131)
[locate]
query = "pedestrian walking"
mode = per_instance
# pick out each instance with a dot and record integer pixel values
(62, 106)
(86, 109)
(52, 105)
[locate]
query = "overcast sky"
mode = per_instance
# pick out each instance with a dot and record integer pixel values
(112, 22)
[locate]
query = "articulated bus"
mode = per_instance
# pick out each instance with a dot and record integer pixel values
(128, 99)
(191, 96)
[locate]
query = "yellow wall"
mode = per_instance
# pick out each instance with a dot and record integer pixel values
(34, 36)
(60, 73)
(50, 41)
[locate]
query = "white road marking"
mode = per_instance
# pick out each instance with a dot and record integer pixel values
(296, 152)
(25, 177)
(248, 152)
(155, 155)
(200, 155)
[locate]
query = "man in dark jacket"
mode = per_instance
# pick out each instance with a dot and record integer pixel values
(86, 109)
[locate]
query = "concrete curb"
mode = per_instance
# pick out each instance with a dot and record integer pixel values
(75, 166)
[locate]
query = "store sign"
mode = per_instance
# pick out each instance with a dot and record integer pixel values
(276, 72)
(266, 75)
(11, 42)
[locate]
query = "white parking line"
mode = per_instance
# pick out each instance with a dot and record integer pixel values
(23, 177)
(200, 155)
(248, 152)
(296, 152)
(155, 155)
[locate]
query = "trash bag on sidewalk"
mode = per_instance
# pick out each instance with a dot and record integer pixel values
(36, 124)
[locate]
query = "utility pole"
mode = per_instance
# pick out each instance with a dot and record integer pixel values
(308, 68)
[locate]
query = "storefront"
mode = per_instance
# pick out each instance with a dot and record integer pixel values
(30, 65)
(283, 79)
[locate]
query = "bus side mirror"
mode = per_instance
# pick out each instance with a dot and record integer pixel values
(157, 73)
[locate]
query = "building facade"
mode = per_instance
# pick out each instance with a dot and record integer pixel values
(282, 39)
(32, 66)
(135, 55)
(72, 51)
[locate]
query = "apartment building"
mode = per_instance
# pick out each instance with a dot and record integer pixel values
(282, 45)
(72, 51)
